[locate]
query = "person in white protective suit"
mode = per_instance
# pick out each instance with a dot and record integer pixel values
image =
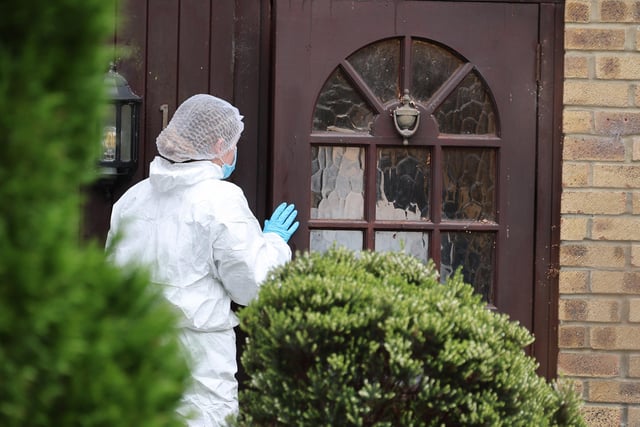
(202, 244)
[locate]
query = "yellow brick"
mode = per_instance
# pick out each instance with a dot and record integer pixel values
(614, 391)
(593, 148)
(634, 366)
(601, 416)
(634, 310)
(585, 364)
(615, 337)
(636, 93)
(573, 282)
(576, 66)
(615, 282)
(618, 11)
(635, 255)
(616, 176)
(577, 121)
(577, 11)
(588, 38)
(635, 148)
(616, 123)
(582, 310)
(591, 255)
(635, 153)
(593, 202)
(575, 174)
(633, 416)
(573, 228)
(622, 67)
(616, 228)
(572, 336)
(590, 93)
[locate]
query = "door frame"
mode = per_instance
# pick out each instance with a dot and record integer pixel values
(548, 180)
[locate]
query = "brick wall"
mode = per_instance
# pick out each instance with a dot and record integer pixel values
(599, 307)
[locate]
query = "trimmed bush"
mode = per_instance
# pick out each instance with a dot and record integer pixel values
(81, 343)
(339, 339)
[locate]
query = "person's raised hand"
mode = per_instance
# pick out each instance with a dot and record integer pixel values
(283, 221)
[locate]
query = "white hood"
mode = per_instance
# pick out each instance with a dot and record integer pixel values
(165, 176)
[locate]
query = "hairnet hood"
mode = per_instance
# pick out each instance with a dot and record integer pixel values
(198, 123)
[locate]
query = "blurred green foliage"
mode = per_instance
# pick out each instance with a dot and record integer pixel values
(81, 342)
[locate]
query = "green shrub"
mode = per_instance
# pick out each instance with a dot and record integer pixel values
(375, 340)
(81, 343)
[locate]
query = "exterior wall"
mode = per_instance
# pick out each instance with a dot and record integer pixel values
(599, 283)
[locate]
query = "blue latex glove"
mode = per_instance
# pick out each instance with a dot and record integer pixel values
(282, 221)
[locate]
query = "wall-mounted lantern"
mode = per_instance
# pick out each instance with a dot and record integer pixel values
(406, 118)
(121, 134)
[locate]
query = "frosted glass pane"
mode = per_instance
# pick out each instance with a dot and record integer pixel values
(402, 183)
(337, 182)
(341, 109)
(109, 135)
(110, 115)
(323, 240)
(474, 252)
(468, 184)
(379, 66)
(409, 242)
(468, 109)
(432, 66)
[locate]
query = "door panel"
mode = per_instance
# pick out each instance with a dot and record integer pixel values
(462, 191)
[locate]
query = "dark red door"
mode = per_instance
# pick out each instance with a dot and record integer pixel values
(462, 191)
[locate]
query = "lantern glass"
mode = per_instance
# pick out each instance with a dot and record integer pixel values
(109, 144)
(109, 135)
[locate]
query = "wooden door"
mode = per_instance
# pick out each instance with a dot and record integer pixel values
(463, 190)
(169, 50)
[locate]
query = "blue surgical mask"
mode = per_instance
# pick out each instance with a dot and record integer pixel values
(227, 170)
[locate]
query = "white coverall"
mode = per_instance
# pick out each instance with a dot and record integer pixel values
(203, 244)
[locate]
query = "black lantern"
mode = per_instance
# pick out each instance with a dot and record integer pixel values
(121, 128)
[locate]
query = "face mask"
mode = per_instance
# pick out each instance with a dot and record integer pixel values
(228, 169)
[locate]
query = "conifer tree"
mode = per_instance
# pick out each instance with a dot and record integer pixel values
(81, 342)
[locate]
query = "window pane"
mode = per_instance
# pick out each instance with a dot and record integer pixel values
(340, 108)
(109, 134)
(473, 252)
(337, 182)
(432, 66)
(468, 184)
(402, 183)
(412, 243)
(125, 136)
(468, 109)
(379, 66)
(323, 240)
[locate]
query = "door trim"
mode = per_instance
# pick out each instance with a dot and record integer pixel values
(549, 176)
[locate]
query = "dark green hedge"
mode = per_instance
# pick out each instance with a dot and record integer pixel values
(81, 343)
(376, 340)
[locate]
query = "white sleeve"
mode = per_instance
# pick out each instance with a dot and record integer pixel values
(242, 253)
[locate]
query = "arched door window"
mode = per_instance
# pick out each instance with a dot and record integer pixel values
(434, 198)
